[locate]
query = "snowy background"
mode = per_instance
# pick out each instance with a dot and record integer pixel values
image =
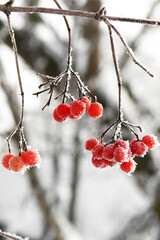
(67, 194)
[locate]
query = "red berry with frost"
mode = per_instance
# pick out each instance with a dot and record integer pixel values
(30, 157)
(91, 143)
(77, 108)
(132, 143)
(96, 110)
(129, 166)
(150, 140)
(99, 162)
(110, 163)
(130, 154)
(122, 143)
(74, 117)
(63, 110)
(87, 102)
(108, 151)
(139, 148)
(56, 117)
(5, 160)
(16, 163)
(98, 150)
(120, 154)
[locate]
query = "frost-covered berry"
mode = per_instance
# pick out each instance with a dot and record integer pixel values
(30, 157)
(108, 151)
(98, 150)
(129, 166)
(110, 163)
(150, 140)
(63, 110)
(96, 110)
(16, 163)
(91, 143)
(120, 154)
(74, 117)
(5, 160)
(56, 117)
(122, 143)
(77, 108)
(139, 148)
(87, 102)
(132, 143)
(99, 162)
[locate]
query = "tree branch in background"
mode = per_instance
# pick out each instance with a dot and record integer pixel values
(12, 236)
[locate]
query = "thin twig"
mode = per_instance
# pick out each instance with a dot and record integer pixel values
(76, 13)
(119, 79)
(20, 124)
(128, 49)
(69, 56)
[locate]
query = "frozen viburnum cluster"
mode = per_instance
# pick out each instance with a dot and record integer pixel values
(22, 161)
(120, 152)
(77, 109)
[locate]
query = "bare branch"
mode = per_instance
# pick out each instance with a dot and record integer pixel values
(22, 142)
(76, 13)
(128, 49)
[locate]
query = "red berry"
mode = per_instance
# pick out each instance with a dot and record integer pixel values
(56, 117)
(120, 154)
(122, 143)
(5, 160)
(98, 150)
(91, 143)
(96, 110)
(150, 141)
(87, 102)
(139, 148)
(16, 163)
(30, 157)
(63, 110)
(129, 166)
(74, 117)
(110, 163)
(132, 143)
(77, 108)
(99, 162)
(108, 152)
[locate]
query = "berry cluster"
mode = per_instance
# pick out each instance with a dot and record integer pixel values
(77, 109)
(22, 161)
(121, 152)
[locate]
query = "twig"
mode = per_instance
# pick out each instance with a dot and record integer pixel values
(128, 49)
(119, 79)
(22, 142)
(12, 236)
(76, 13)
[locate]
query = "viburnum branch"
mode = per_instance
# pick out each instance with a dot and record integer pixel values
(22, 141)
(82, 86)
(67, 74)
(78, 13)
(120, 120)
(119, 79)
(128, 49)
(69, 56)
(12, 236)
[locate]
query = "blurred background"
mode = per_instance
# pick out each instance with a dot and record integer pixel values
(68, 198)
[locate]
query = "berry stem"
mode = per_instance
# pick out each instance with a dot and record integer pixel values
(20, 124)
(119, 79)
